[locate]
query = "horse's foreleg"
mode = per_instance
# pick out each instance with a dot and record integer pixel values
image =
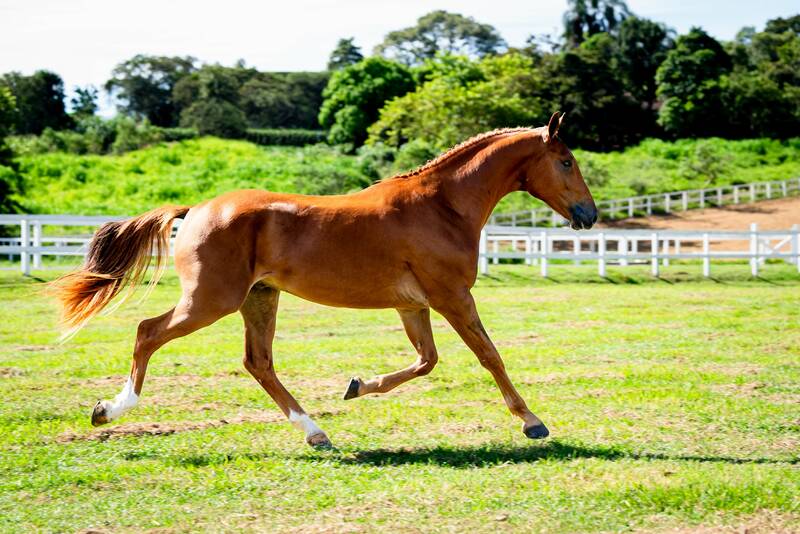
(259, 311)
(417, 324)
(462, 315)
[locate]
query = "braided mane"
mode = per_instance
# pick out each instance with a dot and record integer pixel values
(459, 148)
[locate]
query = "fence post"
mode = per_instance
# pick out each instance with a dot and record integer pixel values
(719, 196)
(534, 219)
(685, 200)
(514, 219)
(483, 261)
(752, 192)
(706, 257)
(543, 252)
(735, 194)
(665, 260)
(702, 198)
(630, 207)
(769, 189)
(796, 245)
(754, 249)
(528, 259)
(784, 190)
(649, 205)
(654, 253)
(666, 203)
(37, 242)
(601, 250)
(576, 249)
(24, 241)
(495, 250)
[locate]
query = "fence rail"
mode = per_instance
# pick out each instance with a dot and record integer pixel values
(532, 246)
(660, 203)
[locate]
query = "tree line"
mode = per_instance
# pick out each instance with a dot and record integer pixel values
(619, 77)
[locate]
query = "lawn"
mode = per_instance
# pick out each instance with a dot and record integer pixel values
(672, 403)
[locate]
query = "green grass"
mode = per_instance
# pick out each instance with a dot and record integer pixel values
(190, 171)
(672, 403)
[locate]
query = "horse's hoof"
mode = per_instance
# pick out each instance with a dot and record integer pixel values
(352, 388)
(536, 431)
(319, 441)
(99, 414)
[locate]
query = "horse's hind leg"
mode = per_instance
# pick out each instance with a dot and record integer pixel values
(205, 299)
(259, 311)
(418, 328)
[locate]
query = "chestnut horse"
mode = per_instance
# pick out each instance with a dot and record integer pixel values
(408, 242)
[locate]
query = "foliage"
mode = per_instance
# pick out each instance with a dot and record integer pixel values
(689, 86)
(39, 101)
(643, 46)
(672, 406)
(460, 101)
(143, 85)
(209, 100)
(284, 136)
(345, 54)
(283, 100)
(84, 101)
(355, 95)
(585, 18)
(441, 32)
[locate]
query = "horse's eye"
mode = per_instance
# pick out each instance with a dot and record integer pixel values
(567, 163)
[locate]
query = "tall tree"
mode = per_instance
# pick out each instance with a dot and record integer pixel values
(283, 99)
(585, 18)
(143, 85)
(346, 53)
(84, 101)
(355, 94)
(643, 46)
(440, 31)
(209, 99)
(689, 86)
(39, 100)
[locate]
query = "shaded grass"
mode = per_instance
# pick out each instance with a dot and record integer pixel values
(670, 405)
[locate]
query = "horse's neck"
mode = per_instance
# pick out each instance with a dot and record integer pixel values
(473, 184)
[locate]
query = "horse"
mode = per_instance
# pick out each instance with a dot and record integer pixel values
(409, 242)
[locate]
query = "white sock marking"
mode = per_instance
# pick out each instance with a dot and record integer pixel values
(124, 401)
(304, 423)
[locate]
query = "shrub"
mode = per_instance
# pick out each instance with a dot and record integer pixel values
(284, 136)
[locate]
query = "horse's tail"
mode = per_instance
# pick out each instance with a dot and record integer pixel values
(118, 257)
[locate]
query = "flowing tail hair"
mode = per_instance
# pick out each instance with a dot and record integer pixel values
(118, 257)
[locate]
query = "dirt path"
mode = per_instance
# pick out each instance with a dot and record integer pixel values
(779, 214)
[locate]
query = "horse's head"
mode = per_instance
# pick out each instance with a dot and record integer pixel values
(555, 178)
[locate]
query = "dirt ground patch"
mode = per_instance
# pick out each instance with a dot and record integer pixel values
(777, 214)
(164, 429)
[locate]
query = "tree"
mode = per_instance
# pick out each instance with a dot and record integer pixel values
(643, 46)
(355, 94)
(283, 100)
(441, 32)
(461, 99)
(781, 25)
(585, 18)
(8, 171)
(209, 99)
(84, 101)
(689, 86)
(346, 53)
(39, 101)
(588, 84)
(144, 84)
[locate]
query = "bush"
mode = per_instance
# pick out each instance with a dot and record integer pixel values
(215, 116)
(285, 136)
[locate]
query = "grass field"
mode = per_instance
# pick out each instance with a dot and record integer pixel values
(672, 403)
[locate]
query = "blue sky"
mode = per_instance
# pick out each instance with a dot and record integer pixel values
(82, 40)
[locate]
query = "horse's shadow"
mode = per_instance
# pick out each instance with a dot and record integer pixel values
(554, 450)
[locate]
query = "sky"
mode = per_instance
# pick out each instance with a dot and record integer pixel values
(82, 40)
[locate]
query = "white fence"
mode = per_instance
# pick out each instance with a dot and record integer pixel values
(661, 202)
(534, 246)
(626, 247)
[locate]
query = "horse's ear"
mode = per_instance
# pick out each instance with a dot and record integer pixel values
(552, 126)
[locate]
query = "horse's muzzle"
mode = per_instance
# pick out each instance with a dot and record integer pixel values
(584, 215)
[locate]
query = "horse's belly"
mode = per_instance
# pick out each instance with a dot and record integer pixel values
(357, 290)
